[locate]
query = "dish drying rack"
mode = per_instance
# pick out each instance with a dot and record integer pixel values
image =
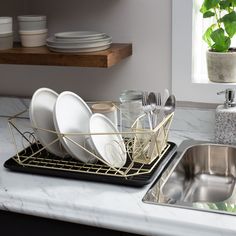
(145, 149)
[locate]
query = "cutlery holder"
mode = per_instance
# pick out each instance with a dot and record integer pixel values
(145, 149)
(148, 144)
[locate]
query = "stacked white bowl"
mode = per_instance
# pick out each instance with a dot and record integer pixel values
(6, 34)
(32, 30)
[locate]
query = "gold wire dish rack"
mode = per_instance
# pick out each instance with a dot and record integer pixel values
(145, 149)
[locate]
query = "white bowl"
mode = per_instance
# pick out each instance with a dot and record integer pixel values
(33, 38)
(32, 22)
(5, 25)
(6, 41)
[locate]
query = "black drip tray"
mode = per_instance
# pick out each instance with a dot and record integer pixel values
(50, 165)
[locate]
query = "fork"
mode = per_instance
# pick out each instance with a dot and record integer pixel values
(147, 108)
(158, 108)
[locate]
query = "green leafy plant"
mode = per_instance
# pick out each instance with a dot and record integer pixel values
(222, 206)
(219, 35)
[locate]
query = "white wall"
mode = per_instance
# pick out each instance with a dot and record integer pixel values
(145, 23)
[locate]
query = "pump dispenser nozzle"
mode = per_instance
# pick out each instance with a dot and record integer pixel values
(229, 97)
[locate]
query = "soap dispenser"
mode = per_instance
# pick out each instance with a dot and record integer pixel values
(225, 119)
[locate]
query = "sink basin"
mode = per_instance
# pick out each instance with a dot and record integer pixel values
(202, 176)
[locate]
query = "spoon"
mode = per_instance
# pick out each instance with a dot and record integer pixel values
(167, 109)
(152, 101)
(169, 106)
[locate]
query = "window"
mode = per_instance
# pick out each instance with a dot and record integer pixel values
(189, 73)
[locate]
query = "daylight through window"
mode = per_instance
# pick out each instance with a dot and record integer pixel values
(199, 47)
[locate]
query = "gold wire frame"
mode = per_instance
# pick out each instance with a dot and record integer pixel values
(144, 149)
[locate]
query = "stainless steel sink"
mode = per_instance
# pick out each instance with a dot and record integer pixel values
(202, 176)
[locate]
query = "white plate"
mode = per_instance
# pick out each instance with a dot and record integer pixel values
(41, 116)
(71, 115)
(76, 50)
(52, 43)
(82, 40)
(79, 35)
(110, 147)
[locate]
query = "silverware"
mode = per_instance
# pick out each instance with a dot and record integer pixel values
(167, 109)
(159, 99)
(152, 101)
(169, 105)
(160, 104)
(156, 108)
(147, 108)
(165, 95)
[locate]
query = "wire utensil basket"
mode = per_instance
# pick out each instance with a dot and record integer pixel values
(144, 148)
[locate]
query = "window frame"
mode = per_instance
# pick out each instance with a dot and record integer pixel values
(182, 83)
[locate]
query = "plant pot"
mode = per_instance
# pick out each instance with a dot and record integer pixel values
(222, 66)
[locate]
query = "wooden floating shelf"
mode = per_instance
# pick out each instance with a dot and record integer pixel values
(42, 56)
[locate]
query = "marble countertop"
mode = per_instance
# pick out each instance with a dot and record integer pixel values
(104, 205)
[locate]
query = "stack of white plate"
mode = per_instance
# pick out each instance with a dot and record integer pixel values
(79, 41)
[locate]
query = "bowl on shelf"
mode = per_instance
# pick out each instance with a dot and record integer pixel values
(5, 24)
(6, 41)
(32, 22)
(6, 34)
(33, 38)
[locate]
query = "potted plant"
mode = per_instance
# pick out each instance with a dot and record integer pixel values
(221, 57)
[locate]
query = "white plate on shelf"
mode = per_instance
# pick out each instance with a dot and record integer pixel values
(109, 145)
(41, 116)
(71, 115)
(82, 40)
(52, 43)
(78, 50)
(79, 35)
